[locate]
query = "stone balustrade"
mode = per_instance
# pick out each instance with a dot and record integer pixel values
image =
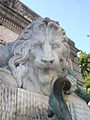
(19, 104)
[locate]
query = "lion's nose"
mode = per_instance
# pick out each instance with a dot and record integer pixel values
(51, 61)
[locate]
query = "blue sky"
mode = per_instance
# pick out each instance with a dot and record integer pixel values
(73, 16)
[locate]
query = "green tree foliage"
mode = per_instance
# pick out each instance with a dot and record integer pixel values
(84, 62)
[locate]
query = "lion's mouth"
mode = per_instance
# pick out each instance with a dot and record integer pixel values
(45, 75)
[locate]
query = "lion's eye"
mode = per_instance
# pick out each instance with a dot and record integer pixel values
(55, 46)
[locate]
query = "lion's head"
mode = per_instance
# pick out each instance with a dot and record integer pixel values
(40, 55)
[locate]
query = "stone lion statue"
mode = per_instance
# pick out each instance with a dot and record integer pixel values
(40, 56)
(39, 62)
